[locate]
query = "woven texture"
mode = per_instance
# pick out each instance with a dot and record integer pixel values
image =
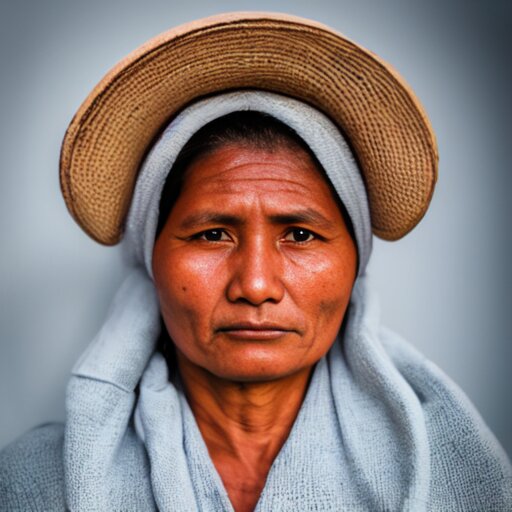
(384, 122)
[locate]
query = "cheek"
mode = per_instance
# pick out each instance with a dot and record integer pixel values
(180, 310)
(325, 278)
(322, 286)
(328, 309)
(188, 287)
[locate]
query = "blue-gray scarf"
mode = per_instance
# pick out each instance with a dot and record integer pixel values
(381, 428)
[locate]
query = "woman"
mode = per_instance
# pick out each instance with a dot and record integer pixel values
(260, 176)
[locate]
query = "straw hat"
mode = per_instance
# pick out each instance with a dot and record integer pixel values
(388, 129)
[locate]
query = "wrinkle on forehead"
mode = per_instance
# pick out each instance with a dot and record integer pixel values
(230, 169)
(228, 187)
(250, 186)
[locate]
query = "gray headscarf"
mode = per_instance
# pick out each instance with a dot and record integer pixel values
(316, 129)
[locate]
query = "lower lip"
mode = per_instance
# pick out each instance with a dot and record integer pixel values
(258, 335)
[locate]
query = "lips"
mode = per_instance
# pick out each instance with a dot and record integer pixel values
(255, 331)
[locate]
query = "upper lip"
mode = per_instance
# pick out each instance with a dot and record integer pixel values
(253, 326)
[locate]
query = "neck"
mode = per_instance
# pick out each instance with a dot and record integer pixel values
(234, 415)
(244, 424)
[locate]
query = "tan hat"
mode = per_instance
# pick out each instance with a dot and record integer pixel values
(388, 129)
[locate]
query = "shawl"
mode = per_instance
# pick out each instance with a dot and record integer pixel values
(381, 428)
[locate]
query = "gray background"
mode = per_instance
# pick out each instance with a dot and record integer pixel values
(445, 287)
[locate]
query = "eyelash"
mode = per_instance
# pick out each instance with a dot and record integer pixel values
(199, 236)
(202, 235)
(307, 231)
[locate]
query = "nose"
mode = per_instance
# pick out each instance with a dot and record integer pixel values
(256, 270)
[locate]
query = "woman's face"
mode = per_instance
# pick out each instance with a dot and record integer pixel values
(255, 265)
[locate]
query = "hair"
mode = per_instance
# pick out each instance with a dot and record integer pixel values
(248, 129)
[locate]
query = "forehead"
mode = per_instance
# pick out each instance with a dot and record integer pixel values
(231, 169)
(254, 185)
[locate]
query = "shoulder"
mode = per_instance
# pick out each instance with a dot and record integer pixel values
(32, 472)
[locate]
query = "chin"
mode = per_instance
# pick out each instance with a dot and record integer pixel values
(257, 370)
(254, 362)
(255, 378)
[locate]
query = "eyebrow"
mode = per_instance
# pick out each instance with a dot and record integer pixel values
(303, 216)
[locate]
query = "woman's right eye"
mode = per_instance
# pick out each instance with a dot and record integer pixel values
(213, 235)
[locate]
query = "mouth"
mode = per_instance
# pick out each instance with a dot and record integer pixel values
(255, 331)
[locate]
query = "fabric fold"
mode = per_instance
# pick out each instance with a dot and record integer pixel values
(122, 348)
(381, 420)
(100, 398)
(158, 422)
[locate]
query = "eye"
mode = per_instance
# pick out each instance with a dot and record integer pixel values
(212, 235)
(299, 235)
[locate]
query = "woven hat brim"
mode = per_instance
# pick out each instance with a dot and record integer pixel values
(382, 119)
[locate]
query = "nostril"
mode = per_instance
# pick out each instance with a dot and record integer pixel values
(255, 293)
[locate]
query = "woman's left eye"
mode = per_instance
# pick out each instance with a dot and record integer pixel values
(299, 235)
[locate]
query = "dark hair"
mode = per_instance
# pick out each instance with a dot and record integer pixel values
(248, 128)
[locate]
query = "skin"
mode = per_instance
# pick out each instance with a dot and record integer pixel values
(254, 269)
